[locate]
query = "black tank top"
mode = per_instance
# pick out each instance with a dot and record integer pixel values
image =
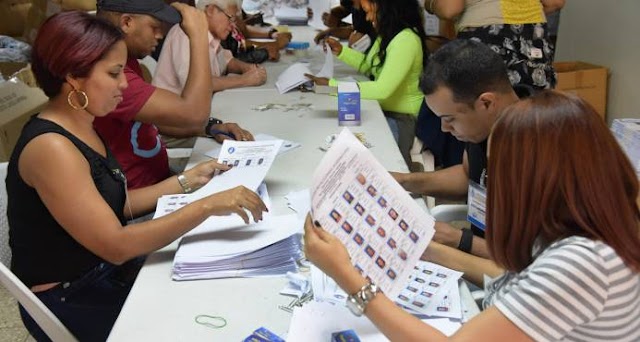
(43, 252)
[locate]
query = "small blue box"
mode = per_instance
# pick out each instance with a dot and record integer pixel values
(348, 104)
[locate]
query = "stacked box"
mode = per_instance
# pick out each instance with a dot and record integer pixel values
(348, 104)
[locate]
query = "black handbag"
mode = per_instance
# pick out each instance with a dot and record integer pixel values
(251, 54)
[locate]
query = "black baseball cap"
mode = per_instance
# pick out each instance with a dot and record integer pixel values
(155, 8)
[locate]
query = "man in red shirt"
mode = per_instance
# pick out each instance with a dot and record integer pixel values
(132, 130)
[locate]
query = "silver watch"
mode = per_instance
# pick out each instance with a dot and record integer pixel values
(358, 301)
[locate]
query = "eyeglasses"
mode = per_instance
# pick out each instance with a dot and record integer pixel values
(232, 18)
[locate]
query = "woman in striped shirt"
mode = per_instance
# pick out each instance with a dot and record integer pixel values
(561, 202)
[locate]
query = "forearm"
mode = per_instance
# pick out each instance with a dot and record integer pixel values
(479, 248)
(474, 267)
(182, 132)
(450, 183)
(445, 9)
(143, 200)
(551, 6)
(229, 82)
(146, 237)
(342, 32)
(197, 90)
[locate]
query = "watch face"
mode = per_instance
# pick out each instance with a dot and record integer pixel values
(355, 307)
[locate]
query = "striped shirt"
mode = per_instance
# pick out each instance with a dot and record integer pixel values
(576, 290)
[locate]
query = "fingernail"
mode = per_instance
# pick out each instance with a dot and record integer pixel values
(316, 223)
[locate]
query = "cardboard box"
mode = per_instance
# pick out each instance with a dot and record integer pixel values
(348, 104)
(586, 80)
(18, 102)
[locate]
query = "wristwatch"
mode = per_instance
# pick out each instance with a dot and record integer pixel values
(207, 128)
(358, 301)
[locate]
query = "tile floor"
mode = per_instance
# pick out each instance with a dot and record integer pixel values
(11, 328)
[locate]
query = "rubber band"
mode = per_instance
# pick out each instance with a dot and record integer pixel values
(201, 319)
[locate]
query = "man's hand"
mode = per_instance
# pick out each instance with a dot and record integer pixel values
(447, 235)
(232, 128)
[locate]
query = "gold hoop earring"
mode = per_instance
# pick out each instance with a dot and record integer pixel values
(70, 101)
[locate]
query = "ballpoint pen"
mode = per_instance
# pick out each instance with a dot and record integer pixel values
(214, 132)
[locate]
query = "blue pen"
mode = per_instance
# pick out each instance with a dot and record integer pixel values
(214, 132)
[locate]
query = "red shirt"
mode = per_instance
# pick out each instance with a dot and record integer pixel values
(136, 145)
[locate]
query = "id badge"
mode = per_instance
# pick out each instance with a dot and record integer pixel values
(535, 53)
(477, 202)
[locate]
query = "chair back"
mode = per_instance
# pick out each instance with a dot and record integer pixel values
(47, 321)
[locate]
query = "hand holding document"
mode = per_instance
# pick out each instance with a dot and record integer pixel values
(250, 161)
(294, 75)
(356, 199)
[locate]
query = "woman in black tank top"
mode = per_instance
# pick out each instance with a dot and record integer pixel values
(67, 198)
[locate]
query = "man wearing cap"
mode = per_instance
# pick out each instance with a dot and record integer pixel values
(132, 129)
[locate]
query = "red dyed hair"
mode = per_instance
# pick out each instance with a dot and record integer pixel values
(555, 170)
(70, 43)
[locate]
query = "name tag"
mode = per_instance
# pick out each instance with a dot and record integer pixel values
(477, 202)
(535, 53)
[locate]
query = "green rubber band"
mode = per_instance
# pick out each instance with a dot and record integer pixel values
(201, 319)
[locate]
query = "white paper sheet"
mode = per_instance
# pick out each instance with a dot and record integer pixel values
(316, 321)
(292, 77)
(357, 200)
(287, 145)
(251, 162)
(299, 201)
(220, 239)
(327, 67)
(433, 291)
(291, 16)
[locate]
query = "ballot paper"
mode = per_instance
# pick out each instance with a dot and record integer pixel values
(287, 145)
(432, 291)
(317, 321)
(250, 161)
(355, 198)
(327, 67)
(292, 77)
(221, 249)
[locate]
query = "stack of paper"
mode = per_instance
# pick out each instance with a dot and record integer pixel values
(263, 249)
(291, 16)
(627, 131)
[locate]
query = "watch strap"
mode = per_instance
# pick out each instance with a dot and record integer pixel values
(210, 124)
(184, 183)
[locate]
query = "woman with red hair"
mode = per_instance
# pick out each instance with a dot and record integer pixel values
(67, 197)
(561, 204)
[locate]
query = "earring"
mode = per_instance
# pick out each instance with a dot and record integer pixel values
(70, 101)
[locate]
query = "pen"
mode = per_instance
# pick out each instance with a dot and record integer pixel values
(214, 132)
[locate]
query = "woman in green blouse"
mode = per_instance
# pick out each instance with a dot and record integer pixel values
(394, 64)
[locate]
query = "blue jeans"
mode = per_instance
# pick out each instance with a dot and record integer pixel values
(88, 306)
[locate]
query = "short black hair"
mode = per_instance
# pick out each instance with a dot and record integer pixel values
(467, 67)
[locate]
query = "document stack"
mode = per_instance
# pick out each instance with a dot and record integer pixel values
(291, 16)
(267, 248)
(627, 131)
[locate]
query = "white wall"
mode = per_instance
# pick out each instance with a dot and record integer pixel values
(606, 33)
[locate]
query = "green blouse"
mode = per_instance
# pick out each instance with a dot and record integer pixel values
(395, 83)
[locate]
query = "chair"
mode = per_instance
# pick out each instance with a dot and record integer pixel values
(456, 212)
(49, 323)
(426, 159)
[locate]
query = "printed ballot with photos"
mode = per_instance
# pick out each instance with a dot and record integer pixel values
(355, 198)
